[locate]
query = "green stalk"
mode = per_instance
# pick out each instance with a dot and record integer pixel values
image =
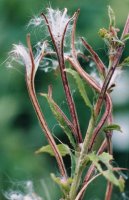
(81, 162)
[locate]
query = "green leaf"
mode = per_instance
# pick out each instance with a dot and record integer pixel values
(121, 184)
(81, 87)
(125, 37)
(111, 16)
(112, 127)
(105, 158)
(112, 178)
(73, 163)
(60, 119)
(63, 149)
(119, 42)
(125, 62)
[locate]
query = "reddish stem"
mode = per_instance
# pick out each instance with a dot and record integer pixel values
(70, 125)
(92, 167)
(78, 197)
(60, 55)
(109, 191)
(32, 94)
(100, 65)
(115, 60)
(93, 84)
(102, 121)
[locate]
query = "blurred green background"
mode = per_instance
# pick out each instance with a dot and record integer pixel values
(20, 133)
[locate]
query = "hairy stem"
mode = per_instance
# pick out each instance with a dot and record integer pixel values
(91, 126)
(80, 166)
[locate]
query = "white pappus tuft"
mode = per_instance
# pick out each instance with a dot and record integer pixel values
(35, 21)
(57, 22)
(79, 46)
(48, 65)
(20, 54)
(28, 194)
(13, 195)
(39, 54)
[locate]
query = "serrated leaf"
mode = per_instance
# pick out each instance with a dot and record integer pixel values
(60, 119)
(109, 175)
(105, 158)
(81, 87)
(111, 16)
(63, 149)
(112, 127)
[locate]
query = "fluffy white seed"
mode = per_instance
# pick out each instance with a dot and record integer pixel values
(35, 21)
(57, 21)
(20, 54)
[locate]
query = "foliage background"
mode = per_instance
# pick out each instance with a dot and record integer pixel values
(20, 133)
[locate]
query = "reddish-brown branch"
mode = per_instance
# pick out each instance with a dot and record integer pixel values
(107, 143)
(68, 122)
(92, 168)
(101, 68)
(32, 94)
(100, 65)
(114, 63)
(109, 188)
(94, 85)
(79, 54)
(98, 106)
(78, 197)
(109, 191)
(107, 81)
(109, 135)
(60, 55)
(126, 28)
(102, 121)
(74, 53)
